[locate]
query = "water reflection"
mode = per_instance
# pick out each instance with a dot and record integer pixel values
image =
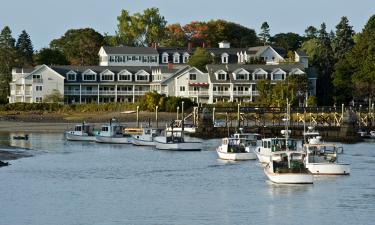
(275, 190)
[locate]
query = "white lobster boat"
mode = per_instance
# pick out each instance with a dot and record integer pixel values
(81, 132)
(113, 133)
(252, 141)
(322, 159)
(234, 149)
(174, 141)
(287, 167)
(147, 137)
(271, 145)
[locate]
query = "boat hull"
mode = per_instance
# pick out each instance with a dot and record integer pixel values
(142, 142)
(236, 156)
(184, 146)
(113, 140)
(289, 178)
(74, 137)
(328, 169)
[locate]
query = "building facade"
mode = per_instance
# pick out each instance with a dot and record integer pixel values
(125, 74)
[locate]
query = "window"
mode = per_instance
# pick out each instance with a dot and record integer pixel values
(165, 57)
(196, 88)
(36, 76)
(89, 77)
(185, 58)
(278, 76)
(142, 77)
(38, 99)
(125, 77)
(71, 77)
(39, 88)
(176, 58)
(111, 59)
(182, 88)
(224, 58)
(221, 76)
(107, 77)
(241, 77)
(192, 76)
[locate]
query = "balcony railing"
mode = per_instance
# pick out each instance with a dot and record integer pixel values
(222, 93)
(37, 80)
(198, 93)
(241, 93)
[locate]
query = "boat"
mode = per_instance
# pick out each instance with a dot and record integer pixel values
(252, 141)
(271, 145)
(132, 130)
(174, 140)
(146, 138)
(234, 149)
(312, 136)
(81, 132)
(287, 167)
(177, 126)
(322, 159)
(113, 133)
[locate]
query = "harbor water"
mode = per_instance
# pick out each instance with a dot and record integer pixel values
(95, 184)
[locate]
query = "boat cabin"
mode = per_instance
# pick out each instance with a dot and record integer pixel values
(279, 144)
(83, 129)
(322, 153)
(152, 131)
(234, 145)
(174, 137)
(250, 139)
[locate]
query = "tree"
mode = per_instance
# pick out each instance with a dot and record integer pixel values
(196, 32)
(174, 36)
(311, 32)
(289, 41)
(343, 40)
(25, 48)
(200, 59)
(8, 59)
(80, 46)
(265, 33)
(54, 97)
(342, 81)
(50, 56)
(140, 29)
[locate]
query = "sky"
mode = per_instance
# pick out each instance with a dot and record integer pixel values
(46, 20)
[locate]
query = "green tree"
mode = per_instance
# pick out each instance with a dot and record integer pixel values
(25, 48)
(311, 32)
(80, 46)
(343, 40)
(289, 41)
(8, 59)
(140, 29)
(264, 35)
(50, 56)
(342, 81)
(200, 59)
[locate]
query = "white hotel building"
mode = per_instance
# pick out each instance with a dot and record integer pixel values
(125, 74)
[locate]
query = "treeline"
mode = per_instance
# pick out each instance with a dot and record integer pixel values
(343, 60)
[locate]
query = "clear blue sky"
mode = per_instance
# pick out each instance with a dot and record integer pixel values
(45, 20)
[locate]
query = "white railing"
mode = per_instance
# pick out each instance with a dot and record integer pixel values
(240, 93)
(198, 93)
(225, 93)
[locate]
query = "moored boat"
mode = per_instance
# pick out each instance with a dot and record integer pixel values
(287, 167)
(113, 133)
(234, 149)
(147, 137)
(81, 132)
(174, 140)
(322, 159)
(177, 126)
(270, 145)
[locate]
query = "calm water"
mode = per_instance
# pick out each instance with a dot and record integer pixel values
(87, 183)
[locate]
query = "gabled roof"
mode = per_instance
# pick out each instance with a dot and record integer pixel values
(130, 50)
(177, 73)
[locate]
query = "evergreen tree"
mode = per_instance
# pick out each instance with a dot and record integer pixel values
(311, 32)
(7, 61)
(343, 40)
(25, 48)
(50, 56)
(265, 33)
(325, 64)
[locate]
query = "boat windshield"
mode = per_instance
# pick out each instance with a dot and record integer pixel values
(282, 144)
(78, 128)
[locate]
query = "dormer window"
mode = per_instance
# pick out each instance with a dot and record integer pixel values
(165, 57)
(224, 58)
(107, 75)
(241, 76)
(176, 58)
(278, 74)
(260, 74)
(89, 75)
(71, 76)
(185, 57)
(221, 76)
(141, 76)
(124, 76)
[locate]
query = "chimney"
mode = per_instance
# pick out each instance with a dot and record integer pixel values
(170, 66)
(190, 45)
